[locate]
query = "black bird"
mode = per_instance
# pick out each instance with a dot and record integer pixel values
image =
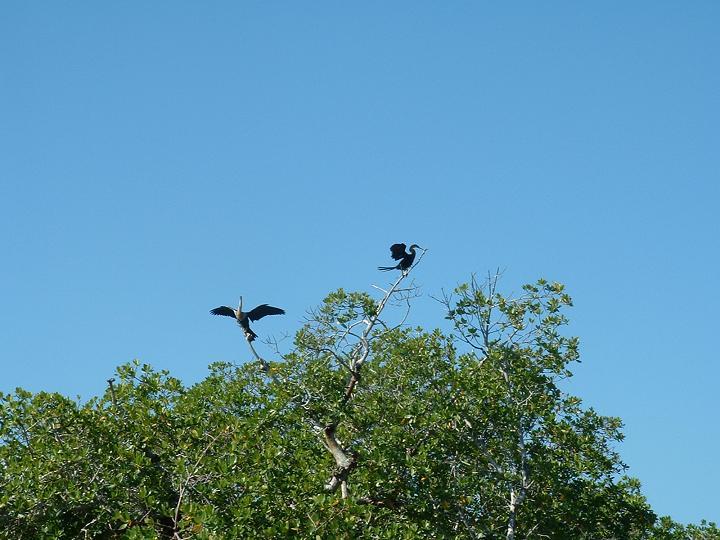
(243, 318)
(397, 252)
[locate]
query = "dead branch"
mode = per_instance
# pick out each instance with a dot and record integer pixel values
(190, 476)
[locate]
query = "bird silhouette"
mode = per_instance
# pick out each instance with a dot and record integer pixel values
(397, 252)
(244, 318)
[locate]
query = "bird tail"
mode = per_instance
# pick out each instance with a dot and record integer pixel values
(249, 334)
(386, 268)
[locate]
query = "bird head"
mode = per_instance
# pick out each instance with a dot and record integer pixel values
(415, 246)
(240, 305)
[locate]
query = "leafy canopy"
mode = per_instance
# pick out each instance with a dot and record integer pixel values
(465, 434)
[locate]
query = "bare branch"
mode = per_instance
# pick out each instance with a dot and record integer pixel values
(195, 469)
(363, 350)
(263, 363)
(345, 461)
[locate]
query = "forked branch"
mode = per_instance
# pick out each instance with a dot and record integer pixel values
(362, 350)
(346, 460)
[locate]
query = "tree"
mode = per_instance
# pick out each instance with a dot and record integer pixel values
(540, 444)
(366, 428)
(667, 529)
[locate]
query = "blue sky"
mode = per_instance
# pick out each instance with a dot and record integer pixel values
(160, 159)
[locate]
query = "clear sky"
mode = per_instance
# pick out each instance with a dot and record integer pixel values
(158, 159)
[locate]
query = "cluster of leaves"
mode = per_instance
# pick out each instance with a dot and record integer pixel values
(464, 435)
(667, 529)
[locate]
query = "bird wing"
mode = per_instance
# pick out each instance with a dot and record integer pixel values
(397, 251)
(224, 310)
(262, 310)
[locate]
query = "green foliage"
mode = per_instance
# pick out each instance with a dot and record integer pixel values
(444, 431)
(667, 529)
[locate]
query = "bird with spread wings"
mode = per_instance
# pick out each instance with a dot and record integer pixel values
(244, 318)
(397, 252)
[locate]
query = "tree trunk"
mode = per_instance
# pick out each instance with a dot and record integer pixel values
(512, 518)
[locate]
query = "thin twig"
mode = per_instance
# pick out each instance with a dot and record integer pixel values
(196, 467)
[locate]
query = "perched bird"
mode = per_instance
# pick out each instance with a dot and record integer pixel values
(244, 318)
(397, 252)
